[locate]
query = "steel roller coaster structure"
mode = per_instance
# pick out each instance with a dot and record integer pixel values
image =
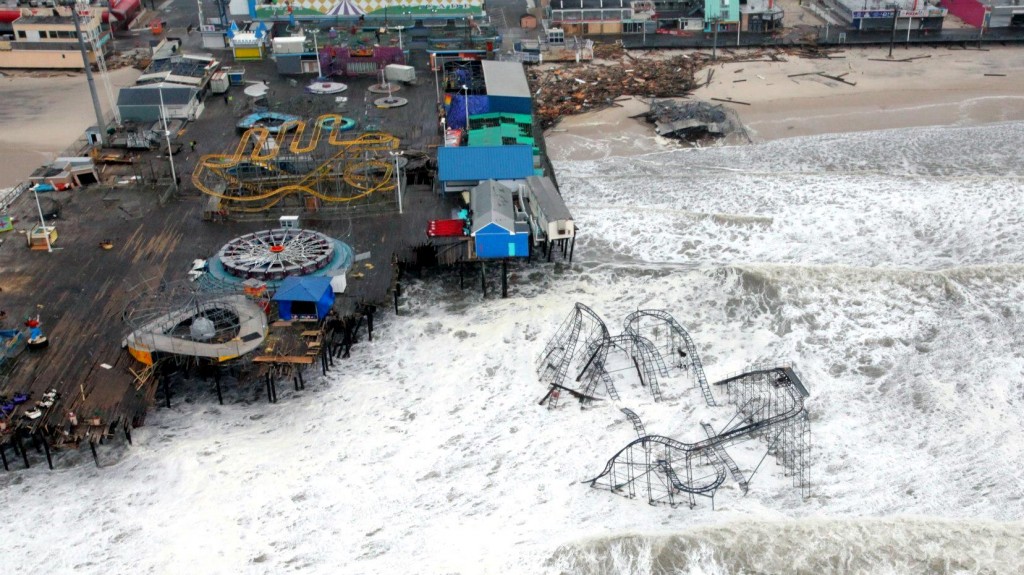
(257, 176)
(768, 402)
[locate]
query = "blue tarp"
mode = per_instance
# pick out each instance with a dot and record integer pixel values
(456, 115)
(310, 289)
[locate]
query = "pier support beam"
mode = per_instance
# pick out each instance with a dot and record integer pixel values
(572, 248)
(128, 432)
(298, 371)
(167, 391)
(216, 381)
(3, 456)
(483, 278)
(46, 449)
(504, 278)
(270, 396)
(21, 448)
(95, 456)
(369, 321)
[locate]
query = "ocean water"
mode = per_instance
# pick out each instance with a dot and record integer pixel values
(885, 266)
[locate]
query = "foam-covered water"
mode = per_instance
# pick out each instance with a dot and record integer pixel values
(887, 267)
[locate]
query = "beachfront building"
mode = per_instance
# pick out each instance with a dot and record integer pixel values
(879, 14)
(588, 17)
(371, 12)
(760, 16)
(50, 42)
(142, 104)
(999, 13)
(499, 226)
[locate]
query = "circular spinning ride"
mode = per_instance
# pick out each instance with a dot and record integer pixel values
(270, 255)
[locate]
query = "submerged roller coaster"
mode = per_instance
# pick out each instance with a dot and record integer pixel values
(768, 402)
(770, 409)
(298, 164)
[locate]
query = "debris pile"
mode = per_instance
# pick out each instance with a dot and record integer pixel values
(693, 121)
(584, 88)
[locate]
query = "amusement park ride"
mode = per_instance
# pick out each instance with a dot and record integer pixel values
(583, 359)
(298, 164)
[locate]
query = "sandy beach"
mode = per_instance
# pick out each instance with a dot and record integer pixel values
(937, 87)
(42, 115)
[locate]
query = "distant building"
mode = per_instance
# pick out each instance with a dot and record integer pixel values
(878, 14)
(1000, 13)
(50, 42)
(142, 103)
(587, 17)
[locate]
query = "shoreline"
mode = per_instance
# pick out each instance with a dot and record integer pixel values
(919, 87)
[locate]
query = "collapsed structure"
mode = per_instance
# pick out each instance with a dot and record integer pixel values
(767, 401)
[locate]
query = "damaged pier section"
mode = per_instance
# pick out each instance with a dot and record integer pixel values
(266, 263)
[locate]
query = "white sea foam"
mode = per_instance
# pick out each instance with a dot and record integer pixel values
(890, 276)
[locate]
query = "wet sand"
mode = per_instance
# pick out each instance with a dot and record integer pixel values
(938, 87)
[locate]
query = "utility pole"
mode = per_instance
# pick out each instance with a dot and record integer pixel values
(714, 41)
(981, 30)
(167, 134)
(100, 124)
(892, 38)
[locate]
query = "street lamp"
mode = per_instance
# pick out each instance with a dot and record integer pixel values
(316, 50)
(400, 28)
(398, 178)
(42, 221)
(167, 134)
(466, 89)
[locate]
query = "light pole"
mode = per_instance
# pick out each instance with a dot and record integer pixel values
(398, 178)
(46, 232)
(100, 125)
(466, 89)
(437, 81)
(316, 50)
(167, 134)
(714, 42)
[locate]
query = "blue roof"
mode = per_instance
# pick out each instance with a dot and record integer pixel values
(305, 288)
(457, 163)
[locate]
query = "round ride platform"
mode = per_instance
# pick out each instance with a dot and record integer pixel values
(390, 102)
(384, 88)
(326, 88)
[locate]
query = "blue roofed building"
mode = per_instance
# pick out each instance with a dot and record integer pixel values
(498, 229)
(460, 168)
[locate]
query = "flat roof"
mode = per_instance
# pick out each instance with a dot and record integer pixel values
(505, 79)
(46, 20)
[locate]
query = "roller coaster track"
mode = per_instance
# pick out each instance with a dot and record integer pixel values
(734, 469)
(793, 409)
(638, 424)
(365, 176)
(631, 323)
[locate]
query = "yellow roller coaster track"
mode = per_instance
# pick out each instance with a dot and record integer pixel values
(366, 176)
